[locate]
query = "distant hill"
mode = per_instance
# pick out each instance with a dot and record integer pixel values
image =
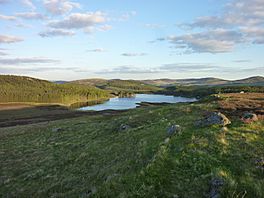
(117, 85)
(60, 82)
(256, 80)
(191, 81)
(26, 89)
(92, 81)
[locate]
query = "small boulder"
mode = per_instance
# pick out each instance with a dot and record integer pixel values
(167, 140)
(249, 118)
(55, 130)
(173, 129)
(214, 118)
(124, 127)
(224, 129)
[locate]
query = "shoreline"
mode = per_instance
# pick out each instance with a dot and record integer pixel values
(22, 105)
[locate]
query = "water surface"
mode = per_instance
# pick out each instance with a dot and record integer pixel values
(131, 103)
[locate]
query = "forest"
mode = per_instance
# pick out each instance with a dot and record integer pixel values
(26, 89)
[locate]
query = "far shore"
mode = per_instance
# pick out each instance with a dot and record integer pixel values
(14, 106)
(23, 105)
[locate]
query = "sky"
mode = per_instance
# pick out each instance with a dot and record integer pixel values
(132, 39)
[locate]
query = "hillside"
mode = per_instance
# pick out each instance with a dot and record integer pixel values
(26, 89)
(204, 91)
(92, 156)
(191, 81)
(256, 80)
(92, 81)
(117, 85)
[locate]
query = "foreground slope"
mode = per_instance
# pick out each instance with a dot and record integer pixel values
(26, 89)
(91, 156)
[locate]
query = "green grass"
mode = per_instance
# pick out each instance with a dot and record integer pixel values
(92, 157)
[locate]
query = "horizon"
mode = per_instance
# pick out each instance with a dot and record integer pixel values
(146, 79)
(76, 39)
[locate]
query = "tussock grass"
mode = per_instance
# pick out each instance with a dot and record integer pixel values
(91, 157)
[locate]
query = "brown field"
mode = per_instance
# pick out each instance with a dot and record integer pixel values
(238, 103)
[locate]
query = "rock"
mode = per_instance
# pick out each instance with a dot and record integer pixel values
(167, 140)
(216, 183)
(55, 130)
(124, 127)
(173, 129)
(215, 118)
(90, 192)
(224, 129)
(249, 118)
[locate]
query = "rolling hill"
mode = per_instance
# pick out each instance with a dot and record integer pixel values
(26, 89)
(117, 85)
(256, 80)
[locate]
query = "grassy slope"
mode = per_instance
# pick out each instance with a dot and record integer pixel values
(92, 156)
(25, 89)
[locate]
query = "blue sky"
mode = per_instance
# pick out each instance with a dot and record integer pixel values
(75, 39)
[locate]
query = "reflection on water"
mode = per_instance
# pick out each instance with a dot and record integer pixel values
(130, 103)
(85, 104)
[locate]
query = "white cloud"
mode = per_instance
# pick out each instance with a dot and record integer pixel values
(79, 21)
(254, 34)
(166, 68)
(88, 22)
(97, 50)
(213, 41)
(133, 54)
(32, 60)
(30, 15)
(25, 70)
(237, 13)
(9, 39)
(57, 32)
(29, 4)
(128, 69)
(2, 52)
(8, 18)
(176, 68)
(105, 27)
(240, 22)
(58, 7)
(246, 17)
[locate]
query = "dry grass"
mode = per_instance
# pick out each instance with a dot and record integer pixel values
(238, 103)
